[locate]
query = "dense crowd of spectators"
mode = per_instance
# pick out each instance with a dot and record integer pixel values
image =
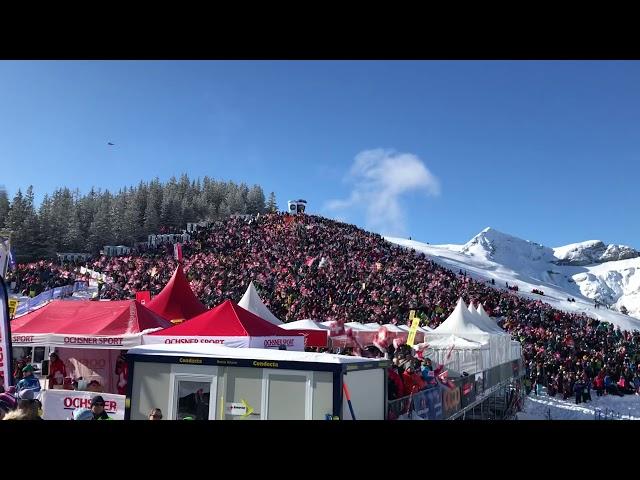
(34, 278)
(311, 267)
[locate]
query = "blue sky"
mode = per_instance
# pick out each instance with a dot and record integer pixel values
(547, 151)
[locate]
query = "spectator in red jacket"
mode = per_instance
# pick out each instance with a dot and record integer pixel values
(57, 371)
(396, 389)
(412, 378)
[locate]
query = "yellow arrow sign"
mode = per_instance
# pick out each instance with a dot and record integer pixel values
(247, 406)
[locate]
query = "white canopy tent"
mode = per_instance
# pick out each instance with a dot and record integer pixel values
(305, 325)
(459, 354)
(487, 321)
(514, 347)
(462, 323)
(482, 322)
(355, 326)
(251, 301)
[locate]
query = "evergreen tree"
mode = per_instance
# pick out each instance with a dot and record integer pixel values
(171, 211)
(255, 200)
(73, 237)
(224, 210)
(4, 206)
(236, 202)
(272, 205)
(152, 210)
(100, 232)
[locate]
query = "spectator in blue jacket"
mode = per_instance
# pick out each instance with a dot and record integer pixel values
(28, 382)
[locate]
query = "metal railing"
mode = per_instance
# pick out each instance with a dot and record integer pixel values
(610, 414)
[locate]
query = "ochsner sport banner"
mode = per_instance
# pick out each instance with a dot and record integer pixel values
(60, 404)
(5, 337)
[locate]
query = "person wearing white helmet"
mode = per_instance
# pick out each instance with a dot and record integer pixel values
(82, 414)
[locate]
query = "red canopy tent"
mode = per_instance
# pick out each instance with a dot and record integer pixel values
(230, 325)
(105, 325)
(177, 302)
(91, 335)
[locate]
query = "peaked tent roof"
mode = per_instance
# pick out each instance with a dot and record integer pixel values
(227, 319)
(483, 313)
(60, 321)
(483, 320)
(252, 302)
(304, 325)
(460, 323)
(177, 301)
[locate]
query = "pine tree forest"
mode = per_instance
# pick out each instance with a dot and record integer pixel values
(67, 221)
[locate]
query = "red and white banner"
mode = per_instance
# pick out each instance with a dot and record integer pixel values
(295, 343)
(5, 337)
(60, 404)
(122, 342)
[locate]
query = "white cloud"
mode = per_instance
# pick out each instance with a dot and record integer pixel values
(380, 177)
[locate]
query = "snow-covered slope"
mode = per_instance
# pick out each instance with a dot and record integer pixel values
(581, 271)
(544, 407)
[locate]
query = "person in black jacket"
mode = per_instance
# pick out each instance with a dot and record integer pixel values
(578, 389)
(97, 407)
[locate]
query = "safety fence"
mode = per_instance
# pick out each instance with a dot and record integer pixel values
(609, 414)
(30, 304)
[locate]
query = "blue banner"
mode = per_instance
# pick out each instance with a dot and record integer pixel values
(428, 404)
(25, 306)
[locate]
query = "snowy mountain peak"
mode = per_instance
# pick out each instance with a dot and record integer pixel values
(592, 252)
(506, 249)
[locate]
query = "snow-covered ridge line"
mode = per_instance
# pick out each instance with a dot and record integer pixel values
(504, 258)
(592, 252)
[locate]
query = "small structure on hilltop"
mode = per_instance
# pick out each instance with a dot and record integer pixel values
(73, 257)
(296, 206)
(115, 250)
(167, 238)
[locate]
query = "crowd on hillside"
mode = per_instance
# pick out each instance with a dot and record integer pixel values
(311, 267)
(34, 278)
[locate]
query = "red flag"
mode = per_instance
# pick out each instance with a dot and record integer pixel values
(449, 352)
(177, 251)
(310, 261)
(143, 296)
